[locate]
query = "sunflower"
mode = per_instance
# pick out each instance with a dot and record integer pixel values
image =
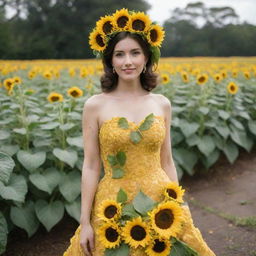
(136, 233)
(217, 78)
(96, 41)
(110, 209)
(47, 74)
(75, 92)
(109, 234)
(174, 191)
(184, 76)
(232, 88)
(247, 74)
(165, 78)
(159, 247)
(31, 74)
(202, 78)
(17, 80)
(166, 218)
(139, 22)
(105, 25)
(121, 19)
(8, 83)
(234, 73)
(54, 96)
(155, 35)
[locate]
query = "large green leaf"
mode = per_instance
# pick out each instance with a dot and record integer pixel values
(74, 209)
(75, 141)
(223, 131)
(122, 250)
(180, 248)
(31, 161)
(15, 190)
(121, 196)
(223, 114)
(6, 167)
(211, 159)
(70, 185)
(9, 149)
(142, 203)
(186, 158)
(67, 156)
(188, 128)
(46, 180)
(231, 151)
(206, 145)
(3, 233)
(49, 126)
(24, 217)
(49, 214)
(241, 138)
(252, 126)
(128, 210)
(4, 135)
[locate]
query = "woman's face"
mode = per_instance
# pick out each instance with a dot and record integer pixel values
(128, 59)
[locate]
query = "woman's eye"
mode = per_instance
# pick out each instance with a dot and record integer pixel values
(136, 53)
(118, 54)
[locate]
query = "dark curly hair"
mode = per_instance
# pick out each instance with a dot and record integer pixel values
(109, 79)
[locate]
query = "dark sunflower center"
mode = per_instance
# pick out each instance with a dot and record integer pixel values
(164, 218)
(159, 246)
(138, 25)
(201, 79)
(107, 27)
(185, 77)
(110, 211)
(232, 88)
(153, 35)
(138, 233)
(217, 78)
(171, 192)
(74, 93)
(99, 41)
(111, 234)
(55, 98)
(122, 21)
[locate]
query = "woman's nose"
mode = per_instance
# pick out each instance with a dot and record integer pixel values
(128, 61)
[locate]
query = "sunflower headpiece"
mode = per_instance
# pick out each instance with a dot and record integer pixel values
(124, 20)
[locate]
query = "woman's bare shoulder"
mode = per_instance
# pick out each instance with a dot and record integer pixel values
(163, 100)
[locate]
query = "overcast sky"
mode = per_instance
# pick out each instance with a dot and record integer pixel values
(245, 9)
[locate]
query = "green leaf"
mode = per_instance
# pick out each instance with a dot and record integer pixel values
(47, 180)
(112, 160)
(74, 209)
(176, 137)
(67, 156)
(204, 110)
(155, 54)
(193, 140)
(252, 126)
(241, 138)
(6, 167)
(24, 217)
(231, 151)
(75, 141)
(211, 159)
(15, 190)
(142, 203)
(128, 210)
(123, 123)
(9, 149)
(237, 124)
(180, 248)
(31, 161)
(206, 145)
(66, 127)
(3, 233)
(121, 196)
(49, 126)
(70, 185)
(188, 128)
(49, 214)
(22, 131)
(147, 122)
(135, 136)
(4, 135)
(121, 158)
(223, 131)
(117, 173)
(122, 250)
(223, 114)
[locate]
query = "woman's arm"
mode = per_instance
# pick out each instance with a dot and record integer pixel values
(92, 161)
(166, 150)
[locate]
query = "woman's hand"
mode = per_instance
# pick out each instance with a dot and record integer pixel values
(87, 239)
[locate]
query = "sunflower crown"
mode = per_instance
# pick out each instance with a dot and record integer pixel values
(124, 20)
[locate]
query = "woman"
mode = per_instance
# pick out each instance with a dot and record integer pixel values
(128, 128)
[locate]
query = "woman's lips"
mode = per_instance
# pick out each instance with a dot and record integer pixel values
(128, 70)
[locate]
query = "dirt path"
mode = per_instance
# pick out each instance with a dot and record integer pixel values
(216, 200)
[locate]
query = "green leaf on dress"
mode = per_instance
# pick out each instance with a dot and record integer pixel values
(147, 122)
(122, 250)
(112, 160)
(117, 173)
(121, 196)
(123, 123)
(129, 211)
(135, 136)
(180, 248)
(142, 203)
(121, 158)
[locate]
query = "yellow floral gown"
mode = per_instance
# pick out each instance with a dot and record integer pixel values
(142, 172)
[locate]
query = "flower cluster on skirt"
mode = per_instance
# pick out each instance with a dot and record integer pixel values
(124, 20)
(143, 223)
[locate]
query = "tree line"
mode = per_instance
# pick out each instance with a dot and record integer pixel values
(59, 29)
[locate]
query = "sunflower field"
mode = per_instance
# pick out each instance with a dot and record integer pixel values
(41, 146)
